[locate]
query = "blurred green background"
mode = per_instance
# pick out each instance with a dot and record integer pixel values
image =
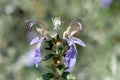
(99, 60)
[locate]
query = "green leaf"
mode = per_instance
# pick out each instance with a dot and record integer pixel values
(64, 42)
(65, 74)
(49, 56)
(60, 71)
(40, 78)
(60, 48)
(50, 44)
(61, 66)
(57, 37)
(47, 76)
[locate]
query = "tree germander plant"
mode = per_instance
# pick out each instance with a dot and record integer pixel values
(61, 48)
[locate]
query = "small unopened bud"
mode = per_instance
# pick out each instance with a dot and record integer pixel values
(58, 43)
(57, 61)
(56, 23)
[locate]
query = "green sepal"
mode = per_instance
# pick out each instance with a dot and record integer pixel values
(50, 44)
(48, 56)
(60, 71)
(57, 37)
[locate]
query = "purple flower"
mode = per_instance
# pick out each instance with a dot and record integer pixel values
(71, 54)
(72, 40)
(38, 40)
(106, 3)
(38, 56)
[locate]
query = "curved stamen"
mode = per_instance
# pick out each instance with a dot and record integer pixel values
(76, 22)
(33, 22)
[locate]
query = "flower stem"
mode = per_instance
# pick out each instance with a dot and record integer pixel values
(57, 61)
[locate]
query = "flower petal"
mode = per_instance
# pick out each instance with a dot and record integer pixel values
(78, 41)
(71, 56)
(35, 40)
(70, 62)
(38, 57)
(38, 52)
(39, 42)
(70, 41)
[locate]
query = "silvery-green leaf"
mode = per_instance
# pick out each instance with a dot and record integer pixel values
(71, 77)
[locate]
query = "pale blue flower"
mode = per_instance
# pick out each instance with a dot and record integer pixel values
(71, 54)
(106, 3)
(38, 40)
(38, 56)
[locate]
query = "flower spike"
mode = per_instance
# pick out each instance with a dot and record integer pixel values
(60, 49)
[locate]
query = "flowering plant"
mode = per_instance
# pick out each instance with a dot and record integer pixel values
(62, 48)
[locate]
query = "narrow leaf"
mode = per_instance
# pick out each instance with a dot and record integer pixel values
(49, 56)
(65, 74)
(47, 76)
